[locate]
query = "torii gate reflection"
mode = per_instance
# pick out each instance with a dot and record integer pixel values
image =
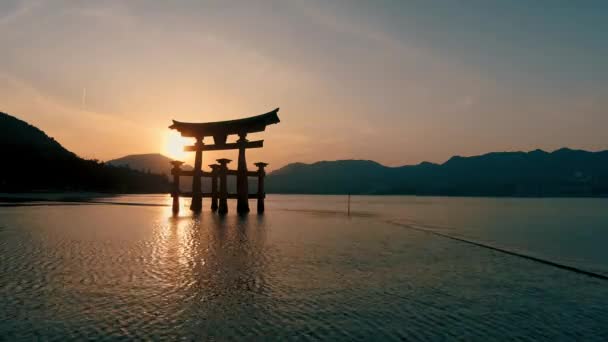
(220, 131)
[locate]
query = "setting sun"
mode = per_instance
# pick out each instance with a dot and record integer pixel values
(173, 145)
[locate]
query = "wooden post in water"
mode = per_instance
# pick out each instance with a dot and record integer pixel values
(242, 185)
(223, 176)
(348, 212)
(197, 195)
(214, 190)
(175, 171)
(261, 192)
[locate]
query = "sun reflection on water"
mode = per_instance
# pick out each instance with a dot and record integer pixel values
(203, 256)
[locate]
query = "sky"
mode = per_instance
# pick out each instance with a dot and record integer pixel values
(395, 81)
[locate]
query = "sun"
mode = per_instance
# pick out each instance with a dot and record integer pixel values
(173, 145)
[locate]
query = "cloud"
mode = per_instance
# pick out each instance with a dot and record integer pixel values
(12, 11)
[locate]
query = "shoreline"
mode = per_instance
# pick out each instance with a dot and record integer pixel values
(90, 197)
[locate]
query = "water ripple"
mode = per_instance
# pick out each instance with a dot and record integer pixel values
(124, 272)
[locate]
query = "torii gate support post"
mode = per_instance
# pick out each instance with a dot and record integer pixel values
(223, 176)
(242, 186)
(197, 195)
(214, 190)
(261, 192)
(175, 171)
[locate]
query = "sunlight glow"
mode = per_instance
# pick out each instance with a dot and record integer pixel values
(173, 145)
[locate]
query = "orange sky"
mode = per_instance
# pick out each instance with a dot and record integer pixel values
(398, 84)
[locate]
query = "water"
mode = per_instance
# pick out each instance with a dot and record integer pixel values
(305, 270)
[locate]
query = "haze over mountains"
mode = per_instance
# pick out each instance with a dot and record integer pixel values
(34, 161)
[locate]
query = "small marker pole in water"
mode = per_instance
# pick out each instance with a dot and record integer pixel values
(348, 212)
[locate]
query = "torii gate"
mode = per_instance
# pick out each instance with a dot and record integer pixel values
(220, 131)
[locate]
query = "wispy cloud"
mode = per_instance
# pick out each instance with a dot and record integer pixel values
(21, 9)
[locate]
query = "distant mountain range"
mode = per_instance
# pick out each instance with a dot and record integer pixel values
(154, 163)
(564, 172)
(160, 164)
(33, 161)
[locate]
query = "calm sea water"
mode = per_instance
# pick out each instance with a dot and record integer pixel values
(305, 270)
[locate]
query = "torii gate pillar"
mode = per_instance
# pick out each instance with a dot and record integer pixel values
(215, 169)
(197, 194)
(223, 195)
(242, 184)
(261, 192)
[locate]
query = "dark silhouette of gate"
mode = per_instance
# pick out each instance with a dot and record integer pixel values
(220, 131)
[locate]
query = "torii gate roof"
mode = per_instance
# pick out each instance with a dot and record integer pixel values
(251, 124)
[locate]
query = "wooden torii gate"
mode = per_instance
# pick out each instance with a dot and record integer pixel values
(220, 131)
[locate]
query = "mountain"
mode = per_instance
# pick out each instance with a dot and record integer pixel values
(151, 162)
(24, 141)
(160, 164)
(33, 161)
(564, 172)
(330, 177)
(155, 163)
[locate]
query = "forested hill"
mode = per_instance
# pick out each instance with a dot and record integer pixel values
(33, 161)
(564, 172)
(149, 162)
